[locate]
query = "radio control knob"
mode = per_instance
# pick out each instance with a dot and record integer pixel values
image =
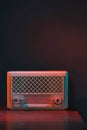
(16, 100)
(56, 100)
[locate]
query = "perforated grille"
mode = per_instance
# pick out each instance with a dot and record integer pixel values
(37, 84)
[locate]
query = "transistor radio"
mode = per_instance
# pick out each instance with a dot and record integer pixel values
(37, 90)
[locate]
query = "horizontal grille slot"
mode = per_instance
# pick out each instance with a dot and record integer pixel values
(37, 84)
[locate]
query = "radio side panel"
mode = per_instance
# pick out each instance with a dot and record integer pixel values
(66, 90)
(9, 103)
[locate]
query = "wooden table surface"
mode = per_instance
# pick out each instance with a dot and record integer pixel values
(41, 120)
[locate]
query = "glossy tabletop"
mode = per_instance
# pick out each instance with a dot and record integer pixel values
(41, 120)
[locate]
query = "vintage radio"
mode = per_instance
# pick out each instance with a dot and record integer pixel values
(37, 90)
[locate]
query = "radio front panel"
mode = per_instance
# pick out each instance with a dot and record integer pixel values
(37, 89)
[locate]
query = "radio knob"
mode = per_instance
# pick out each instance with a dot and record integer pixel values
(16, 100)
(57, 100)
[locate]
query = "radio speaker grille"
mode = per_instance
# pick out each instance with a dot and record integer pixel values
(37, 84)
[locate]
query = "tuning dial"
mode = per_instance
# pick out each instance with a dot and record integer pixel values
(56, 100)
(16, 100)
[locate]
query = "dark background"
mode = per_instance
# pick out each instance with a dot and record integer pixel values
(42, 35)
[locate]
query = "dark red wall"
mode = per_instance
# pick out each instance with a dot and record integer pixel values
(46, 36)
